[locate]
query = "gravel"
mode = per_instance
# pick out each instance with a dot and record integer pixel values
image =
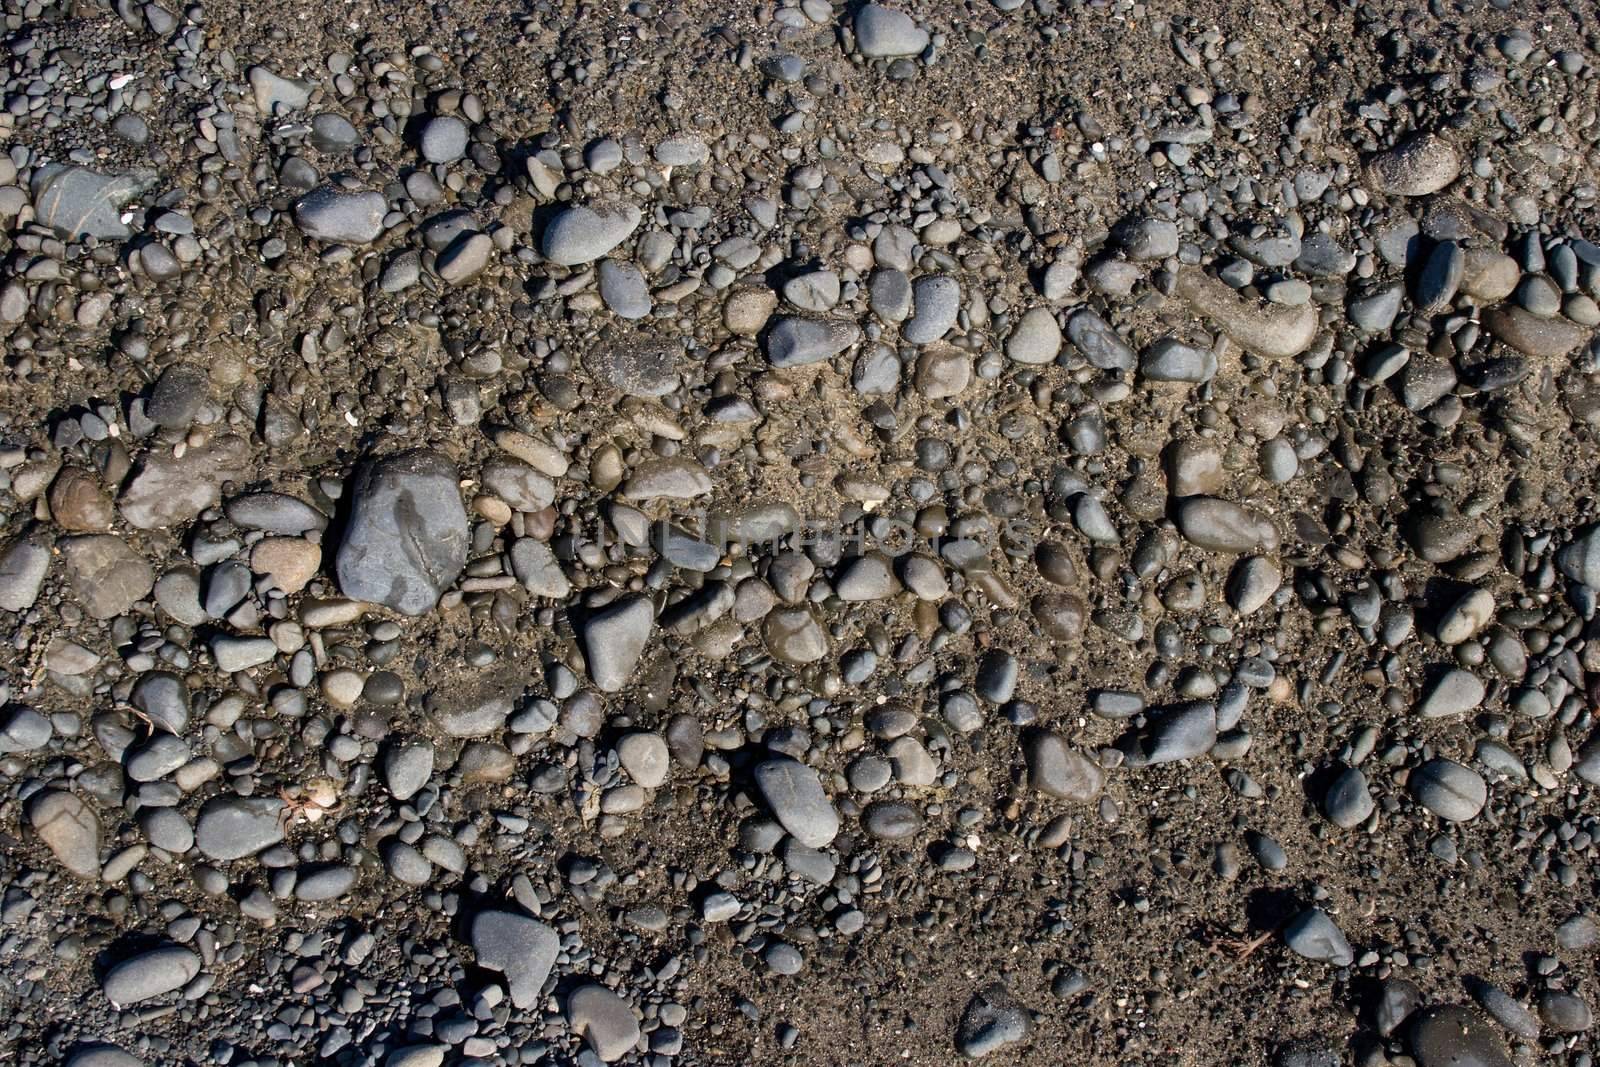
(798, 533)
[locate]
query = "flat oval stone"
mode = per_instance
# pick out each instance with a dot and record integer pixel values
(24, 562)
(991, 1021)
(1453, 692)
(1177, 733)
(1036, 339)
(1348, 802)
(935, 300)
(107, 575)
(1451, 791)
(624, 289)
(669, 478)
(1057, 769)
(339, 217)
(1100, 344)
(891, 820)
(1314, 935)
(79, 202)
(798, 342)
(1579, 559)
(1170, 360)
(795, 636)
(1223, 526)
(324, 881)
(102, 1056)
(443, 139)
(1534, 335)
(231, 828)
(645, 757)
(276, 513)
(883, 32)
(613, 638)
(1416, 167)
(163, 698)
(71, 829)
(517, 946)
(150, 974)
(887, 32)
(642, 364)
(471, 710)
(604, 1019)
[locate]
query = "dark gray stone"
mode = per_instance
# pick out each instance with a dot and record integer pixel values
(406, 541)
(340, 217)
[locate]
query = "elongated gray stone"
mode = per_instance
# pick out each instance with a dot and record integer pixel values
(794, 793)
(150, 974)
(1532, 335)
(1454, 692)
(935, 300)
(341, 217)
(1099, 342)
(797, 342)
(1421, 165)
(78, 202)
(24, 562)
(1223, 526)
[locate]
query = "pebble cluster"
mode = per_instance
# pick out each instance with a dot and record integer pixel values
(799, 533)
